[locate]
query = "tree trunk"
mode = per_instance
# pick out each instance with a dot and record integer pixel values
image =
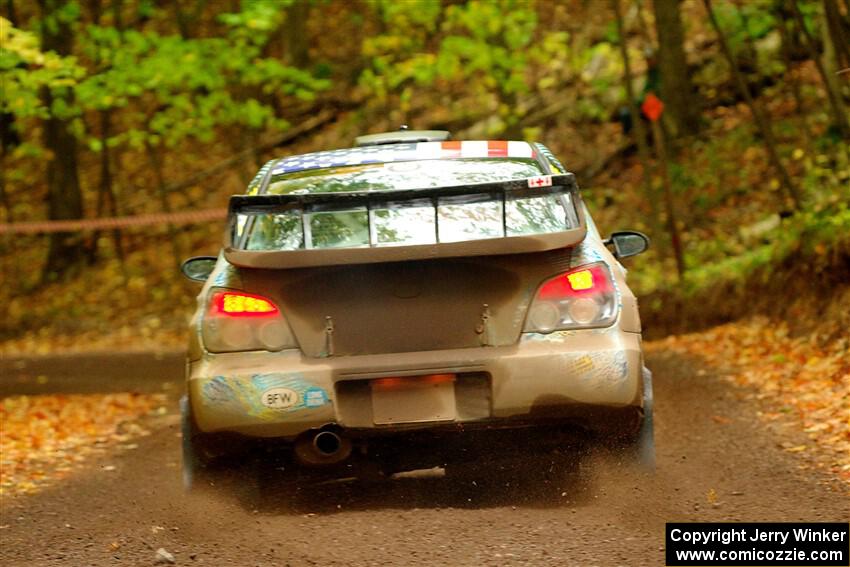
(64, 195)
(9, 138)
(637, 120)
(759, 117)
(296, 40)
(672, 218)
(839, 32)
(839, 116)
(106, 200)
(794, 82)
(162, 192)
(4, 197)
(750, 44)
(106, 193)
(187, 20)
(677, 92)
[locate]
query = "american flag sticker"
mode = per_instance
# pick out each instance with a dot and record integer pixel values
(412, 151)
(540, 181)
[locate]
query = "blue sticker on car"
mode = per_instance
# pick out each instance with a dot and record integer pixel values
(349, 156)
(315, 397)
(266, 396)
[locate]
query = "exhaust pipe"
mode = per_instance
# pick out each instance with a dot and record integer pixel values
(327, 443)
(323, 447)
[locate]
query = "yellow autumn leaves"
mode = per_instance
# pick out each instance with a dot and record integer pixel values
(804, 378)
(44, 438)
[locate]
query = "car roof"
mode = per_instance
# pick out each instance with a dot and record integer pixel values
(402, 136)
(411, 151)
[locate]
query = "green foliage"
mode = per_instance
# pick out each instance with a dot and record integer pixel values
(480, 48)
(166, 88)
(399, 56)
(174, 88)
(25, 70)
(810, 233)
(726, 198)
(601, 71)
(751, 29)
(257, 20)
(421, 15)
(488, 39)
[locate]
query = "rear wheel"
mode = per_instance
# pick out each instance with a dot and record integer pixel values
(641, 450)
(197, 473)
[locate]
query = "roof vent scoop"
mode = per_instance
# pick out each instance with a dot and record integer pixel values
(402, 136)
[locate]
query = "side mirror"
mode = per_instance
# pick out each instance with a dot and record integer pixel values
(199, 268)
(628, 243)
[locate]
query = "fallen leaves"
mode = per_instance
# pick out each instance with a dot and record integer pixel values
(44, 438)
(798, 378)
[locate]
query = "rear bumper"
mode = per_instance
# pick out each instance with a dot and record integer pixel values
(590, 378)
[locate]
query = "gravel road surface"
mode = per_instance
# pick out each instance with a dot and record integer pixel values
(716, 462)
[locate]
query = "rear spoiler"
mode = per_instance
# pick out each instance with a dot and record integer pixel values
(242, 206)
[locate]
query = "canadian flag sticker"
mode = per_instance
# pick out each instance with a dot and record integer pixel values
(541, 181)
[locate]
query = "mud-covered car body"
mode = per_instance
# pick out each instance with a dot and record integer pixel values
(423, 287)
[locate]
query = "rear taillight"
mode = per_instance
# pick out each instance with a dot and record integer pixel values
(239, 304)
(238, 321)
(581, 298)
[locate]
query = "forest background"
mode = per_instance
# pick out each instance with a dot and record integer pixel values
(144, 108)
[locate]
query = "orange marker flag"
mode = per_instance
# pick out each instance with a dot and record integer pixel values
(652, 107)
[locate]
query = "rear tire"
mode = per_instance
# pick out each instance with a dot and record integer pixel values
(196, 466)
(642, 448)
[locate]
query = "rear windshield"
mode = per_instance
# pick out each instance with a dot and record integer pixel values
(409, 222)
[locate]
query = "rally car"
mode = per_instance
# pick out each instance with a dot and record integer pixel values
(394, 301)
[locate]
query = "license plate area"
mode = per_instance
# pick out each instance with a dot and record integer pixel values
(413, 399)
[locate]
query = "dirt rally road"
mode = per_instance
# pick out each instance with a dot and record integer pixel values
(716, 462)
